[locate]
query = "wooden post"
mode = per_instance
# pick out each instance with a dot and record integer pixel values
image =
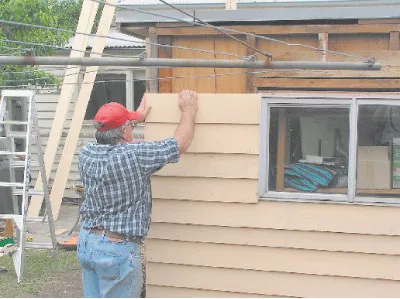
(323, 44)
(231, 5)
(165, 85)
(78, 117)
(280, 159)
(152, 72)
(394, 40)
(251, 40)
(85, 24)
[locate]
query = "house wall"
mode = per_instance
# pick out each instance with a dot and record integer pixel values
(218, 239)
(367, 38)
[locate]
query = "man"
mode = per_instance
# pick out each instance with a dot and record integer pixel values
(116, 213)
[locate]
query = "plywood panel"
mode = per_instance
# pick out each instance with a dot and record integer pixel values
(391, 71)
(276, 48)
(198, 79)
(326, 241)
(370, 220)
(386, 57)
(351, 42)
(205, 189)
(269, 259)
(259, 282)
(172, 292)
(213, 165)
(209, 138)
(213, 108)
(236, 82)
(329, 84)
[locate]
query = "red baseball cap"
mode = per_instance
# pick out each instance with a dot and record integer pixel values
(113, 115)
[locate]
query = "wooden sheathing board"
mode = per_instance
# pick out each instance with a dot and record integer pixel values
(217, 239)
(208, 80)
(360, 42)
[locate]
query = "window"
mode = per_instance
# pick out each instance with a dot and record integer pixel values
(344, 149)
(109, 87)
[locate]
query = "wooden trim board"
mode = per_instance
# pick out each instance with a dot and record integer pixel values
(85, 24)
(64, 166)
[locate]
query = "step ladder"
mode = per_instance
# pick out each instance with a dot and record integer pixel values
(19, 124)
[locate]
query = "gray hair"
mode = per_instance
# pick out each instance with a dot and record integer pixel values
(111, 137)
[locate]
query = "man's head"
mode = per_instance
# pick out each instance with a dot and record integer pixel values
(114, 124)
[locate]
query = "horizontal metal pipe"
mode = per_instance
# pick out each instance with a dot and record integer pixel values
(168, 62)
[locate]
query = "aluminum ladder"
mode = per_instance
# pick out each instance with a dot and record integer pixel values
(20, 128)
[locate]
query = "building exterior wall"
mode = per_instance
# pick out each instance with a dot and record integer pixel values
(212, 237)
(374, 38)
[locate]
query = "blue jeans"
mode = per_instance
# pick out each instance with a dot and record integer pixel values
(109, 269)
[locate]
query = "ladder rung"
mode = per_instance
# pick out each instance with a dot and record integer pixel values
(11, 184)
(17, 164)
(16, 134)
(5, 153)
(38, 245)
(36, 219)
(11, 216)
(31, 192)
(13, 122)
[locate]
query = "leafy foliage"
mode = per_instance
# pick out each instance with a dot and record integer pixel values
(63, 14)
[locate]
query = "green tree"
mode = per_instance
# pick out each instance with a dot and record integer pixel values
(63, 14)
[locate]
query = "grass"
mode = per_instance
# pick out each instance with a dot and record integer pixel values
(41, 269)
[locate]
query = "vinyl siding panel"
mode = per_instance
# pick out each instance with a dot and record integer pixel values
(262, 282)
(211, 138)
(208, 222)
(277, 238)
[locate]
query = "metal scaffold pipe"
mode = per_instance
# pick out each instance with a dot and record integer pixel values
(204, 63)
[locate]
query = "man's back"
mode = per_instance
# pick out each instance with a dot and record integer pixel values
(117, 183)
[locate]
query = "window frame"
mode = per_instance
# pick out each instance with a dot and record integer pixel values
(129, 92)
(353, 103)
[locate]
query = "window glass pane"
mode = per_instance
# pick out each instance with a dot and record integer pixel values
(308, 149)
(378, 158)
(108, 88)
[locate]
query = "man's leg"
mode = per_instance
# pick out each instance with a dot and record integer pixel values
(119, 269)
(89, 276)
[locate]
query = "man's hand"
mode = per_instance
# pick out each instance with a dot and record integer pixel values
(188, 102)
(143, 109)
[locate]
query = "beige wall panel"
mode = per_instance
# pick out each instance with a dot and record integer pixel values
(236, 81)
(171, 292)
(213, 108)
(235, 139)
(351, 42)
(302, 261)
(326, 241)
(213, 165)
(196, 78)
(205, 189)
(259, 282)
(369, 220)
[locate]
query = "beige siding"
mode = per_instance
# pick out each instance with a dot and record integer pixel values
(165, 292)
(211, 236)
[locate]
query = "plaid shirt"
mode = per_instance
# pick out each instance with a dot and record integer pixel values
(116, 181)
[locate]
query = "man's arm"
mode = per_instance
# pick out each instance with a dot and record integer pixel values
(185, 130)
